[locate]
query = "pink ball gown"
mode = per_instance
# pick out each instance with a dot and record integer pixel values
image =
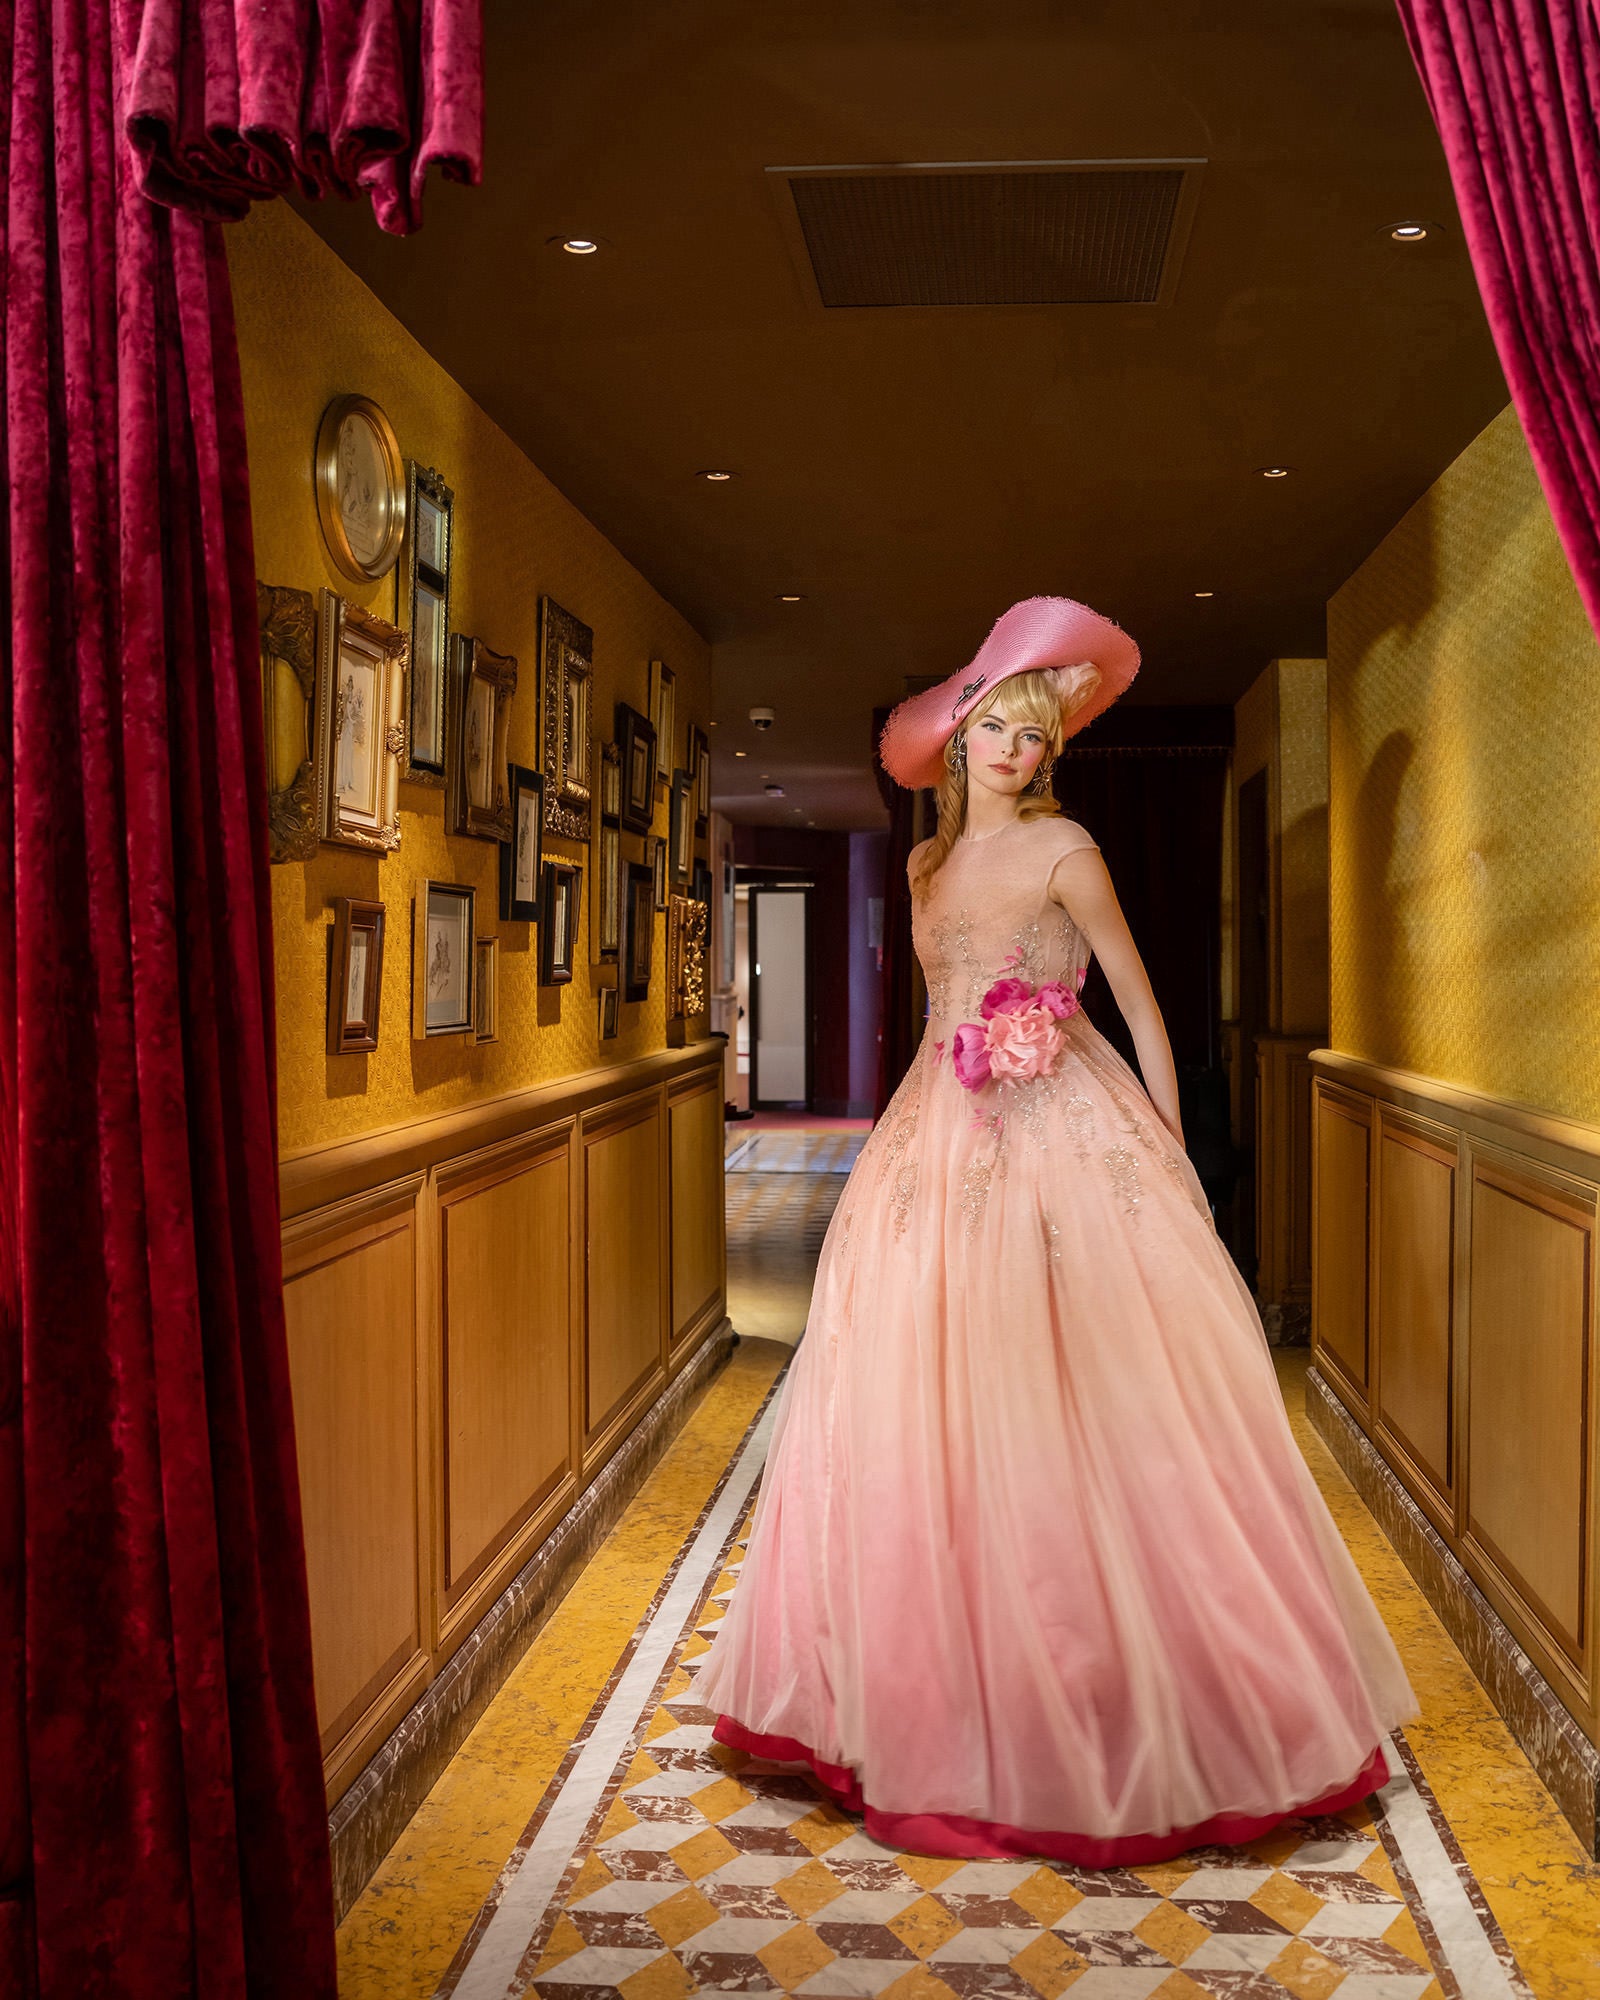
(1036, 1566)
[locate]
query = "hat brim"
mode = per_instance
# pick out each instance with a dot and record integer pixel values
(1040, 632)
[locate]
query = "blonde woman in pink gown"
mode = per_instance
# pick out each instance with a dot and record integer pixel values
(1037, 1568)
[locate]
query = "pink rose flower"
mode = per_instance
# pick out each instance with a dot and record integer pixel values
(969, 1056)
(1004, 997)
(1057, 999)
(1023, 1044)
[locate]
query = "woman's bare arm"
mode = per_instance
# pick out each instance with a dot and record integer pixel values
(1081, 885)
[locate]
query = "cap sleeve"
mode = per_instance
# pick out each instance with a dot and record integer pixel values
(1070, 838)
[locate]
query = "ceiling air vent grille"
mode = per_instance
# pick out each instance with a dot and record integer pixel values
(1092, 235)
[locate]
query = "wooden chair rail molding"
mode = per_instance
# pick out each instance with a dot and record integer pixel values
(484, 1307)
(1454, 1331)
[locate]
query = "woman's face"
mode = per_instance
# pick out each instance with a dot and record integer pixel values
(1002, 754)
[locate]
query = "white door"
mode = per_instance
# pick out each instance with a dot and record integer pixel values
(778, 986)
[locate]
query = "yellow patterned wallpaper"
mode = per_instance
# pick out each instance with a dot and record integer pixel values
(309, 330)
(1464, 753)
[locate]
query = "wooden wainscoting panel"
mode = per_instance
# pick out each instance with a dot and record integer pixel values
(698, 1208)
(1528, 1423)
(624, 1345)
(505, 1347)
(1343, 1128)
(1413, 1301)
(350, 1284)
(1283, 1169)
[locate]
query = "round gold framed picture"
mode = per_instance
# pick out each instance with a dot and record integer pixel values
(361, 487)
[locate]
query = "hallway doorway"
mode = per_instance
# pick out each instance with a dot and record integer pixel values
(780, 1042)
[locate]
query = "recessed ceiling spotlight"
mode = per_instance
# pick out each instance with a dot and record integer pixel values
(789, 597)
(741, 753)
(1409, 232)
(716, 478)
(1275, 471)
(1205, 593)
(578, 246)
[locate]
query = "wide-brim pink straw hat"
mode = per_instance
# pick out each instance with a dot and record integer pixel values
(1094, 659)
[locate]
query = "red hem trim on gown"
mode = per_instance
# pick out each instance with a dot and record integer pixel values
(952, 1834)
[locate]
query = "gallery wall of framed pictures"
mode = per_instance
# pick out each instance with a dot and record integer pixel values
(445, 644)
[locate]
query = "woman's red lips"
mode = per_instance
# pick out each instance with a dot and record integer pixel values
(1005, 767)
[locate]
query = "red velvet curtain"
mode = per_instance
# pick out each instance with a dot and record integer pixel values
(162, 1818)
(1514, 89)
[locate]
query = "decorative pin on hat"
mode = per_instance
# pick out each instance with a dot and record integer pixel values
(1094, 661)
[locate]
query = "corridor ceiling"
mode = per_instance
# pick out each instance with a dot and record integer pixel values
(911, 470)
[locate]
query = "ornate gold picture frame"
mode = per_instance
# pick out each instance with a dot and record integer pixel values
(361, 488)
(566, 665)
(686, 958)
(361, 731)
(287, 621)
(483, 685)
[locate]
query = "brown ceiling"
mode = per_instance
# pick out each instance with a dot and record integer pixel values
(913, 470)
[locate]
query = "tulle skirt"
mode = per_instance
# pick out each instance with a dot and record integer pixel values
(1037, 1566)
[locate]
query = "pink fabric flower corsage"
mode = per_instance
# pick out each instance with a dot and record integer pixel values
(1019, 1036)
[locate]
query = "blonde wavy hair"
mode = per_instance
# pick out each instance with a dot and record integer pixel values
(1027, 697)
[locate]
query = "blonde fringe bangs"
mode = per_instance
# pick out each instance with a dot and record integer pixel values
(1025, 697)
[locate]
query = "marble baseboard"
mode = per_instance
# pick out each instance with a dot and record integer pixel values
(1552, 1741)
(372, 1814)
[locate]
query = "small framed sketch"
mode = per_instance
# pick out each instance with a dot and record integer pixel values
(355, 981)
(287, 622)
(361, 488)
(663, 695)
(430, 527)
(522, 855)
(566, 663)
(443, 962)
(361, 729)
(636, 741)
(681, 835)
(558, 923)
(607, 997)
(641, 932)
(607, 898)
(486, 990)
(700, 775)
(485, 682)
(655, 849)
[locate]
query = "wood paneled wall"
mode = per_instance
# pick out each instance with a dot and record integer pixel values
(481, 1307)
(1454, 1316)
(1283, 1170)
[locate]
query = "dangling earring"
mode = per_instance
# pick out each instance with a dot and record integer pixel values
(959, 758)
(1040, 781)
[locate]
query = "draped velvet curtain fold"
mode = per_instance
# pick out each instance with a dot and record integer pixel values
(162, 1818)
(1514, 89)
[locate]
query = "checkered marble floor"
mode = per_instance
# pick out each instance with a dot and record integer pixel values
(700, 1869)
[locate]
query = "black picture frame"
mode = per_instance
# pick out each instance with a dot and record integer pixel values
(639, 930)
(636, 742)
(701, 891)
(558, 922)
(700, 775)
(681, 837)
(526, 845)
